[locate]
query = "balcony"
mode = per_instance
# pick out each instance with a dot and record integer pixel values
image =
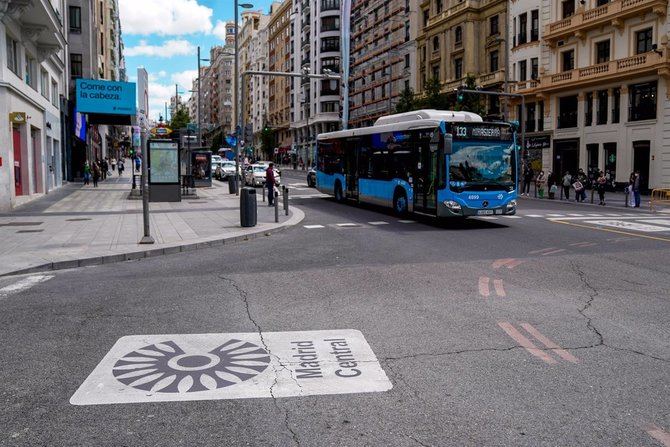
(634, 66)
(613, 13)
(497, 77)
(454, 10)
(525, 87)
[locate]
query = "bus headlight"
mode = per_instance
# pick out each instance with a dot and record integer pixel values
(511, 204)
(454, 206)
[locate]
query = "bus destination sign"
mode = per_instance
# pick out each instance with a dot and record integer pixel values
(481, 131)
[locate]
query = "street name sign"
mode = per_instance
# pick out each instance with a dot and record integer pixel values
(185, 367)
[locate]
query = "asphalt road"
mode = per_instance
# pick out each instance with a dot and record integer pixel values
(534, 331)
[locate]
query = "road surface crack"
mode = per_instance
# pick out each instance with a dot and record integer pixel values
(245, 300)
(592, 294)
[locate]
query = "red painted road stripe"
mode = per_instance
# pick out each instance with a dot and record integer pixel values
(526, 343)
(560, 250)
(541, 251)
(501, 262)
(514, 263)
(484, 286)
(562, 353)
(498, 286)
(659, 434)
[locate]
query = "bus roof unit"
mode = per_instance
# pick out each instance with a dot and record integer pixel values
(429, 114)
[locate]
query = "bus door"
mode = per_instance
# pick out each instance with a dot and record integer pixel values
(351, 167)
(425, 179)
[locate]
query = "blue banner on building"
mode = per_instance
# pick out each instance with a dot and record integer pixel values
(106, 97)
(79, 125)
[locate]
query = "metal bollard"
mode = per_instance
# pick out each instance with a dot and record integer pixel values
(276, 207)
(134, 184)
(263, 189)
(286, 201)
(593, 190)
(535, 190)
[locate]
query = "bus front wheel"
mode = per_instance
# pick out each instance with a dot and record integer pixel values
(400, 203)
(339, 197)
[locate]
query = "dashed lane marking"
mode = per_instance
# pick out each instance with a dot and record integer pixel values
(347, 225)
(583, 244)
(555, 215)
(24, 284)
(553, 252)
(487, 217)
(312, 227)
(407, 221)
(534, 215)
(532, 348)
(512, 217)
(575, 215)
(525, 343)
(377, 223)
(542, 250)
(562, 353)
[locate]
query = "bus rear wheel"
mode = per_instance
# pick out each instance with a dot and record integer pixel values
(400, 203)
(339, 197)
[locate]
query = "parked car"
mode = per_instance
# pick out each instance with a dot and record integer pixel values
(227, 169)
(255, 175)
(311, 177)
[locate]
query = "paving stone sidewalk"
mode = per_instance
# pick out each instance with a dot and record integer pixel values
(81, 225)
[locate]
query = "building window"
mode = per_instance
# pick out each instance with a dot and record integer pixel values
(534, 74)
(30, 72)
(407, 61)
(522, 71)
(44, 83)
(407, 32)
(602, 51)
(493, 61)
(642, 101)
(54, 93)
(601, 115)
(458, 36)
(588, 109)
(330, 23)
(535, 25)
(458, 68)
(540, 117)
(13, 55)
(643, 40)
(568, 60)
(436, 72)
(330, 44)
(327, 5)
(436, 43)
(601, 2)
(330, 63)
(426, 16)
(530, 117)
(76, 65)
(438, 6)
(567, 8)
(567, 112)
(616, 105)
(493, 26)
(75, 19)
(523, 25)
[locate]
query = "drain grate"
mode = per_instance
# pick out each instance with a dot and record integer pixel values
(20, 224)
(30, 231)
(78, 219)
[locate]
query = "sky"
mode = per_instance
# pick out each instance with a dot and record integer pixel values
(163, 35)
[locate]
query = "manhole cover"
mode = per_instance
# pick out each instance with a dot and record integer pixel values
(20, 224)
(167, 368)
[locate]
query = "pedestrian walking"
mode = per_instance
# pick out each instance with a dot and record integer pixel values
(601, 183)
(113, 163)
(270, 183)
(580, 190)
(636, 188)
(120, 167)
(527, 179)
(629, 190)
(137, 164)
(567, 182)
(87, 173)
(96, 174)
(104, 168)
(540, 183)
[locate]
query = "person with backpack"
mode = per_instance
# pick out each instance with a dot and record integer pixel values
(87, 173)
(96, 174)
(527, 179)
(580, 190)
(567, 183)
(601, 183)
(120, 167)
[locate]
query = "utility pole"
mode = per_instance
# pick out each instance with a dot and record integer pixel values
(236, 92)
(199, 111)
(146, 239)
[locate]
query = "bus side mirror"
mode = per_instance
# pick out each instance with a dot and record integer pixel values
(448, 144)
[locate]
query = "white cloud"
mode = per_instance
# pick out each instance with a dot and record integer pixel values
(220, 30)
(185, 78)
(159, 94)
(168, 49)
(165, 17)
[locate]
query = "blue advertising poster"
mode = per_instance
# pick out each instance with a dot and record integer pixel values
(105, 97)
(79, 125)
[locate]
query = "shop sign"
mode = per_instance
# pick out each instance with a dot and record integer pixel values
(17, 117)
(540, 142)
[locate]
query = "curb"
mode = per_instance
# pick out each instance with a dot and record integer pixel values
(297, 216)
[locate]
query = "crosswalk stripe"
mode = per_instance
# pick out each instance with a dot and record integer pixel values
(312, 227)
(407, 221)
(381, 222)
(24, 284)
(575, 215)
(347, 225)
(512, 217)
(555, 215)
(487, 217)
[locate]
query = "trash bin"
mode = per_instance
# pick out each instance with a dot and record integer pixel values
(248, 210)
(232, 185)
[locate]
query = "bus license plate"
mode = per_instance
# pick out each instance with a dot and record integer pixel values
(484, 212)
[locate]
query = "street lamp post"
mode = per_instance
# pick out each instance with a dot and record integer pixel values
(237, 100)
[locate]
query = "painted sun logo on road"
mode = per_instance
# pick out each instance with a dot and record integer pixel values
(167, 368)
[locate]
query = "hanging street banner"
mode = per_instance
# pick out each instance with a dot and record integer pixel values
(106, 97)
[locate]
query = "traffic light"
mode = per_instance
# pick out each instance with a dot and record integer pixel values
(459, 96)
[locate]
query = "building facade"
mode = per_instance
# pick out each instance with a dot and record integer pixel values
(383, 57)
(279, 88)
(32, 87)
(258, 85)
(601, 92)
(461, 38)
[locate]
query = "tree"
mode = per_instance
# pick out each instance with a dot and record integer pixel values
(433, 89)
(406, 102)
(217, 142)
(267, 138)
(180, 119)
(471, 102)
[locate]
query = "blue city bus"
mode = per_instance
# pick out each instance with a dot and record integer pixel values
(432, 162)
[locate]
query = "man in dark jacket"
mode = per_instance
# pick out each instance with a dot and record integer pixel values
(270, 183)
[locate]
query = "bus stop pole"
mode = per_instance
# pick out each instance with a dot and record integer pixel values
(146, 239)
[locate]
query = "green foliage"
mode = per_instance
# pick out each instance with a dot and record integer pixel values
(180, 119)
(434, 98)
(471, 102)
(217, 142)
(267, 138)
(406, 103)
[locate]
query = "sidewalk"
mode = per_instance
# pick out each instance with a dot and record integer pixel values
(612, 200)
(81, 225)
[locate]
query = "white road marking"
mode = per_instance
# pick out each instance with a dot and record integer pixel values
(555, 215)
(595, 215)
(189, 367)
(312, 227)
(642, 216)
(24, 284)
(487, 217)
(627, 225)
(407, 221)
(347, 225)
(512, 217)
(534, 215)
(656, 221)
(575, 215)
(309, 196)
(381, 222)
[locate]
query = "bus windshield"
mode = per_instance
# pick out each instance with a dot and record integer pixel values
(476, 164)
